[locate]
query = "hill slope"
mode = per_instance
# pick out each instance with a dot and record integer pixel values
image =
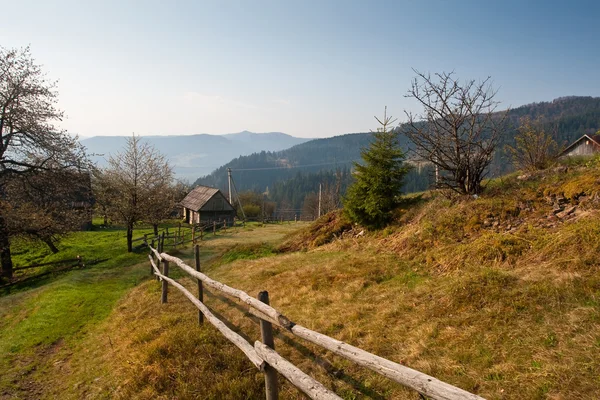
(498, 295)
(571, 116)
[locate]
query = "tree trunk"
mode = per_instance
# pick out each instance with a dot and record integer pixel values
(50, 244)
(5, 257)
(155, 226)
(129, 238)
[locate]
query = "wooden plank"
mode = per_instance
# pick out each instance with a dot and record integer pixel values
(268, 310)
(422, 383)
(233, 337)
(199, 282)
(165, 284)
(311, 387)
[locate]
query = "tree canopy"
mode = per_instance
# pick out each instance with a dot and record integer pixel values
(138, 186)
(32, 150)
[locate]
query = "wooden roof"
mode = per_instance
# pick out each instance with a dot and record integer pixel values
(594, 138)
(198, 197)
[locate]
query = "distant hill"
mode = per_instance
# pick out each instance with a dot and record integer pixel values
(571, 116)
(260, 170)
(195, 155)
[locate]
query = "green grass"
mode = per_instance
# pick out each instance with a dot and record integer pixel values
(52, 320)
(61, 308)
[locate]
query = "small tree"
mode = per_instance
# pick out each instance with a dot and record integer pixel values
(534, 148)
(458, 131)
(375, 193)
(310, 206)
(136, 176)
(162, 201)
(46, 205)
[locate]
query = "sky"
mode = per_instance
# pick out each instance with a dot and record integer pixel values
(306, 68)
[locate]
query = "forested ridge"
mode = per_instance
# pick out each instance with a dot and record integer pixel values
(292, 173)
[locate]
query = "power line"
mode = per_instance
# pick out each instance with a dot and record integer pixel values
(295, 166)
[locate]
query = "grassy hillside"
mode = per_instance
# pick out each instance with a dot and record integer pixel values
(498, 295)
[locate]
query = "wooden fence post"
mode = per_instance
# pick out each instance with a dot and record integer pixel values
(193, 234)
(200, 289)
(214, 228)
(165, 284)
(266, 334)
(160, 245)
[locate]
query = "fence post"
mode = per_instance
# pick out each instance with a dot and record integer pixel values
(214, 228)
(200, 289)
(152, 256)
(165, 284)
(193, 234)
(266, 334)
(160, 245)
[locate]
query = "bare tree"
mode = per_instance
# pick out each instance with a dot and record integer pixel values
(162, 201)
(137, 175)
(104, 193)
(310, 206)
(534, 147)
(29, 141)
(458, 130)
(46, 205)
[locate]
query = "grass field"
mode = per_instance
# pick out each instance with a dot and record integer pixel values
(45, 322)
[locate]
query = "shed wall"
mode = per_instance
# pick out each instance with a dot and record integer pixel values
(584, 148)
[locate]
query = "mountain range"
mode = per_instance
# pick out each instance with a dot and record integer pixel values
(567, 118)
(195, 155)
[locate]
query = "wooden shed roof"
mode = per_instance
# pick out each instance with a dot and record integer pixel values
(594, 138)
(198, 197)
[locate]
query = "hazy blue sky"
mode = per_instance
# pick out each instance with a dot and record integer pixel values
(307, 68)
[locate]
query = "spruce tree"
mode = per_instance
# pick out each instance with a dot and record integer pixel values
(375, 192)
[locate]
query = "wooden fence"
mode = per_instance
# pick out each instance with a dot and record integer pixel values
(183, 234)
(263, 354)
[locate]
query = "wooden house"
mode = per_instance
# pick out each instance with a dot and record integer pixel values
(586, 145)
(205, 204)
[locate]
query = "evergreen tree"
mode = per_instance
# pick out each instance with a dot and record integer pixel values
(375, 193)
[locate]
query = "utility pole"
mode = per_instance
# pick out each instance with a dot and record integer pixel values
(229, 182)
(319, 200)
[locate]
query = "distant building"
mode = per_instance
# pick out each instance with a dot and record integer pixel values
(586, 145)
(206, 204)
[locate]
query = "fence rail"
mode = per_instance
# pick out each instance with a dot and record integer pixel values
(264, 356)
(183, 234)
